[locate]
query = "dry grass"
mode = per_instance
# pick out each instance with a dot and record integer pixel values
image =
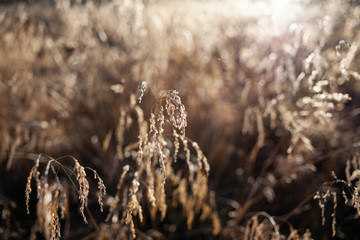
(216, 119)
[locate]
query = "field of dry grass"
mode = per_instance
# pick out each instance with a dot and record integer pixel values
(153, 119)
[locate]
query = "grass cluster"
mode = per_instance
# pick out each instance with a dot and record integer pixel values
(175, 119)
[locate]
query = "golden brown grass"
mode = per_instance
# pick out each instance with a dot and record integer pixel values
(216, 119)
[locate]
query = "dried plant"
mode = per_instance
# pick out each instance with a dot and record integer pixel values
(153, 161)
(349, 191)
(152, 94)
(53, 195)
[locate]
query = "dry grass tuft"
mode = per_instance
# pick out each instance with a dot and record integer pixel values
(53, 195)
(83, 187)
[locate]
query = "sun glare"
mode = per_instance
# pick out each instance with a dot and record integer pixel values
(282, 12)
